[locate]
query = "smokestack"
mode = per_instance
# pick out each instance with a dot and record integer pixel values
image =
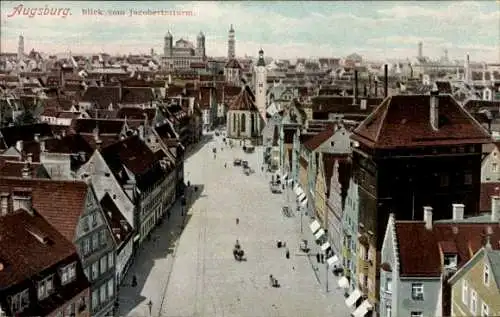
(365, 91)
(355, 87)
(434, 110)
(428, 217)
(376, 88)
(495, 208)
(369, 84)
(458, 211)
(386, 83)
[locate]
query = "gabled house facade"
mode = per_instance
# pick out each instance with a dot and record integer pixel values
(475, 288)
(490, 167)
(73, 210)
(350, 234)
(50, 281)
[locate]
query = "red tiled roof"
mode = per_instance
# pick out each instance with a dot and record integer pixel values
(61, 208)
(15, 169)
(314, 142)
(117, 222)
(488, 190)
(403, 121)
(22, 254)
(106, 126)
(419, 252)
(136, 113)
(133, 153)
(245, 100)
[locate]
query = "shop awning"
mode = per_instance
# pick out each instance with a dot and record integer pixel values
(296, 188)
(137, 237)
(353, 298)
(289, 181)
(332, 260)
(325, 246)
(315, 226)
(285, 176)
(302, 196)
(362, 309)
(343, 282)
(318, 234)
(304, 202)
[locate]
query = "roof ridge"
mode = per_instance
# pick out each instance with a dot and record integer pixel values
(384, 114)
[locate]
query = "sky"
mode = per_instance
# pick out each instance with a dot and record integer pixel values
(375, 30)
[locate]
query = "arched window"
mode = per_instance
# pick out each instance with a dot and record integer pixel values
(252, 122)
(243, 123)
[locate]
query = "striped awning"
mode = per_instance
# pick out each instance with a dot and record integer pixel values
(319, 234)
(285, 176)
(315, 226)
(353, 298)
(332, 260)
(362, 309)
(302, 196)
(303, 202)
(325, 246)
(343, 282)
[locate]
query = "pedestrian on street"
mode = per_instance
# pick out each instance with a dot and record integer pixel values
(150, 306)
(322, 258)
(237, 221)
(225, 165)
(287, 254)
(318, 257)
(271, 280)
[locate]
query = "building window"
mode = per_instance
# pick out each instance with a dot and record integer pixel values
(388, 285)
(465, 293)
(467, 178)
(102, 237)
(473, 302)
(388, 311)
(86, 246)
(102, 292)
(70, 310)
(416, 314)
(111, 288)
(104, 262)
(417, 291)
(111, 260)
(486, 274)
(444, 181)
(494, 167)
(19, 301)
(95, 300)
(95, 270)
(485, 310)
(68, 273)
(45, 287)
(95, 241)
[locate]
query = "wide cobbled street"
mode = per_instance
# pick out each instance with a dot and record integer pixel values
(191, 270)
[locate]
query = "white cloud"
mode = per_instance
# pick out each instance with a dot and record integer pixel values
(405, 40)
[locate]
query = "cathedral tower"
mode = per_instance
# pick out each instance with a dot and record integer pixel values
(200, 45)
(231, 44)
(20, 48)
(261, 84)
(167, 49)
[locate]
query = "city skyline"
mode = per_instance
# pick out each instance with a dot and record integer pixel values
(283, 30)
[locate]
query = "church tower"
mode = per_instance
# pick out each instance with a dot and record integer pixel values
(20, 48)
(200, 45)
(167, 49)
(261, 85)
(231, 44)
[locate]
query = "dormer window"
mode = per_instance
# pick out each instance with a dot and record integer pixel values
(450, 261)
(68, 273)
(45, 287)
(19, 301)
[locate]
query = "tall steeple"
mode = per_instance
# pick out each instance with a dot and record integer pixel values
(20, 47)
(231, 44)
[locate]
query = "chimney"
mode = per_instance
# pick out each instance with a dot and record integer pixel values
(21, 199)
(19, 146)
(376, 88)
(120, 91)
(363, 104)
(129, 189)
(428, 217)
(30, 158)
(96, 133)
(386, 81)
(458, 211)
(434, 110)
(355, 87)
(98, 144)
(37, 137)
(26, 171)
(495, 208)
(42, 146)
(365, 91)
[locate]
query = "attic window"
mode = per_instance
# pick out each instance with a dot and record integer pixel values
(450, 261)
(107, 174)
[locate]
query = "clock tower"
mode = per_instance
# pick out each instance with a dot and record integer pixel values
(260, 75)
